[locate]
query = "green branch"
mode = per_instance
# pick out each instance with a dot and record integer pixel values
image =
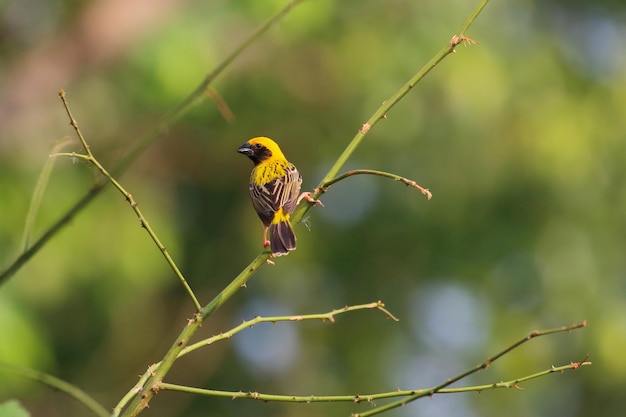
(38, 192)
(89, 157)
(408, 395)
(381, 112)
(484, 365)
(58, 384)
(324, 187)
(359, 398)
(150, 387)
(329, 316)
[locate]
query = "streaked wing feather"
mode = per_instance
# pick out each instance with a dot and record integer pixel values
(262, 202)
(280, 192)
(291, 190)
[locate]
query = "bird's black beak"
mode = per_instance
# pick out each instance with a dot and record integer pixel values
(246, 149)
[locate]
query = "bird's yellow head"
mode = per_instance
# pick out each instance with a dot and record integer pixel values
(261, 149)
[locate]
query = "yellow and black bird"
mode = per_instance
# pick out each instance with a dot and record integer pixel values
(274, 188)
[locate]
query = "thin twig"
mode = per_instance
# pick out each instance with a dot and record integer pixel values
(330, 316)
(221, 104)
(89, 157)
(359, 398)
(58, 384)
(395, 177)
(471, 371)
(38, 192)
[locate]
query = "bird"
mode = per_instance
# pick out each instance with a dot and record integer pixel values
(274, 187)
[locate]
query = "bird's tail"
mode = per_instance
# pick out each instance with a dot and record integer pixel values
(282, 237)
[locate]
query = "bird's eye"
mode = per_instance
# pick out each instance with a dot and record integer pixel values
(258, 146)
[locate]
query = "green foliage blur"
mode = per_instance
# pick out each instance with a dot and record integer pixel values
(521, 139)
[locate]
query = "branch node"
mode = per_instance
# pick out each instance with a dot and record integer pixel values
(459, 39)
(576, 365)
(156, 387)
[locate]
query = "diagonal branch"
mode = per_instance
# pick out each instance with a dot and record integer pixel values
(133, 204)
(359, 398)
(479, 367)
(382, 111)
(38, 192)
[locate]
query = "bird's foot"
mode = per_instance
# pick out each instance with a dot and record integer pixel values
(307, 196)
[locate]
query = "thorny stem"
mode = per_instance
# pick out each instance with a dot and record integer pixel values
(381, 112)
(133, 204)
(369, 398)
(471, 371)
(395, 177)
(329, 316)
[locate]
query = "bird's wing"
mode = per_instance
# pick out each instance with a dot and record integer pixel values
(263, 201)
(291, 189)
(281, 192)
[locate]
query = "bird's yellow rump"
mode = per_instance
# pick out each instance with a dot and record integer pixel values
(274, 188)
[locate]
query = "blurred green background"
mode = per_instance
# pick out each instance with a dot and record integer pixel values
(521, 139)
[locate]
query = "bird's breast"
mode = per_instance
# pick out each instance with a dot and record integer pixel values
(269, 171)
